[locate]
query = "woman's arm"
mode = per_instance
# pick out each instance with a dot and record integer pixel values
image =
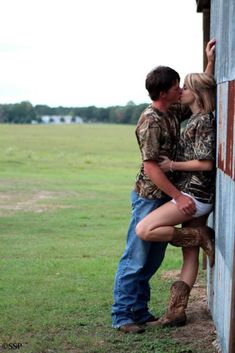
(210, 53)
(194, 165)
(183, 202)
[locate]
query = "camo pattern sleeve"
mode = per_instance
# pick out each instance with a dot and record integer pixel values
(157, 134)
(148, 134)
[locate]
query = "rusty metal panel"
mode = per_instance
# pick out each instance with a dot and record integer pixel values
(230, 165)
(226, 128)
(222, 108)
(220, 279)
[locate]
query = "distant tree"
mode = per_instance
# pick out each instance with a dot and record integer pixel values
(2, 113)
(130, 103)
(102, 115)
(39, 120)
(25, 113)
(116, 114)
(19, 113)
(42, 110)
(138, 109)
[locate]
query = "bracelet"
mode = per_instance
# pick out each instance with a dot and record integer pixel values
(177, 196)
(171, 166)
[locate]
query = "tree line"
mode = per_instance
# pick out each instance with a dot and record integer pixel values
(26, 113)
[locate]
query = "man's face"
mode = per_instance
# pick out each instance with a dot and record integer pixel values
(174, 93)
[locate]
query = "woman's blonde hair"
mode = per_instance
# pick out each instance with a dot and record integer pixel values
(203, 87)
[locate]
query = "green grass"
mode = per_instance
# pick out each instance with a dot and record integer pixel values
(64, 212)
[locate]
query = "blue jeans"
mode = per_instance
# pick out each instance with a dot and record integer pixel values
(139, 262)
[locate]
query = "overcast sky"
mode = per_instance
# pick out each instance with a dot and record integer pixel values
(93, 52)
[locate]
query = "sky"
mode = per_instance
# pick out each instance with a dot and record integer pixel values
(78, 53)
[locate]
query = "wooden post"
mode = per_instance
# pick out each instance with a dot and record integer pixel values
(206, 38)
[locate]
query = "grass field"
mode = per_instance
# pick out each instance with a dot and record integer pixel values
(64, 207)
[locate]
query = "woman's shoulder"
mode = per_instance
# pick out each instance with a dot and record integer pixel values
(207, 116)
(202, 119)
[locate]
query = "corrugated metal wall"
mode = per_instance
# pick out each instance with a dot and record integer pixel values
(221, 279)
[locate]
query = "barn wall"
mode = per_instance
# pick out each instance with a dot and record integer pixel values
(221, 279)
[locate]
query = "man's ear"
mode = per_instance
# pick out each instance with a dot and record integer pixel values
(162, 94)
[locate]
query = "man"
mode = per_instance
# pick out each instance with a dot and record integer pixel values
(157, 133)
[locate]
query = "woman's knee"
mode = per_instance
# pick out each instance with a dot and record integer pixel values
(142, 231)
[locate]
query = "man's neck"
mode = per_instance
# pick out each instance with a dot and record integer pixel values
(161, 105)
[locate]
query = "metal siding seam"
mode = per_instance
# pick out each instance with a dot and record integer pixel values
(230, 129)
(232, 315)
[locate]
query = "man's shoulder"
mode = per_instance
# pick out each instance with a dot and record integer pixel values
(150, 116)
(150, 112)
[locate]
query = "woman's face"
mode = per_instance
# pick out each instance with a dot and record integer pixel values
(187, 96)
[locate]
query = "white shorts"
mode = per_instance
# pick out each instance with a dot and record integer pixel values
(201, 208)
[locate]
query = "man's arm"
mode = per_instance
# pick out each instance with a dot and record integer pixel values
(183, 202)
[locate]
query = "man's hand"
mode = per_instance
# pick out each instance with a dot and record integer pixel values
(185, 204)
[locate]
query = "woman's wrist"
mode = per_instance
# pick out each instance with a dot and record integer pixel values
(177, 195)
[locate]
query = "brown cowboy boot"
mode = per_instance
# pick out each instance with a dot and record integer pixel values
(198, 236)
(178, 301)
(131, 328)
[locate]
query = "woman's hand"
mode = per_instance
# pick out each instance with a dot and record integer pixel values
(165, 164)
(210, 50)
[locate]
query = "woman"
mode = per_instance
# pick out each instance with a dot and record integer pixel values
(195, 162)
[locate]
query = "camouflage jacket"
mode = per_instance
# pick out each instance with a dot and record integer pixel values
(157, 134)
(197, 142)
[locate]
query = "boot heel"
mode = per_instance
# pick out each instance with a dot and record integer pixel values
(181, 323)
(177, 323)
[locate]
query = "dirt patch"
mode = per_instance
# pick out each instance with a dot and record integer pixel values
(199, 333)
(38, 202)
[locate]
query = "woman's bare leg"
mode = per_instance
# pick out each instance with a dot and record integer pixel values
(180, 290)
(159, 224)
(190, 265)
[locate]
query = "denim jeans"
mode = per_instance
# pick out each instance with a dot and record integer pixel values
(139, 262)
